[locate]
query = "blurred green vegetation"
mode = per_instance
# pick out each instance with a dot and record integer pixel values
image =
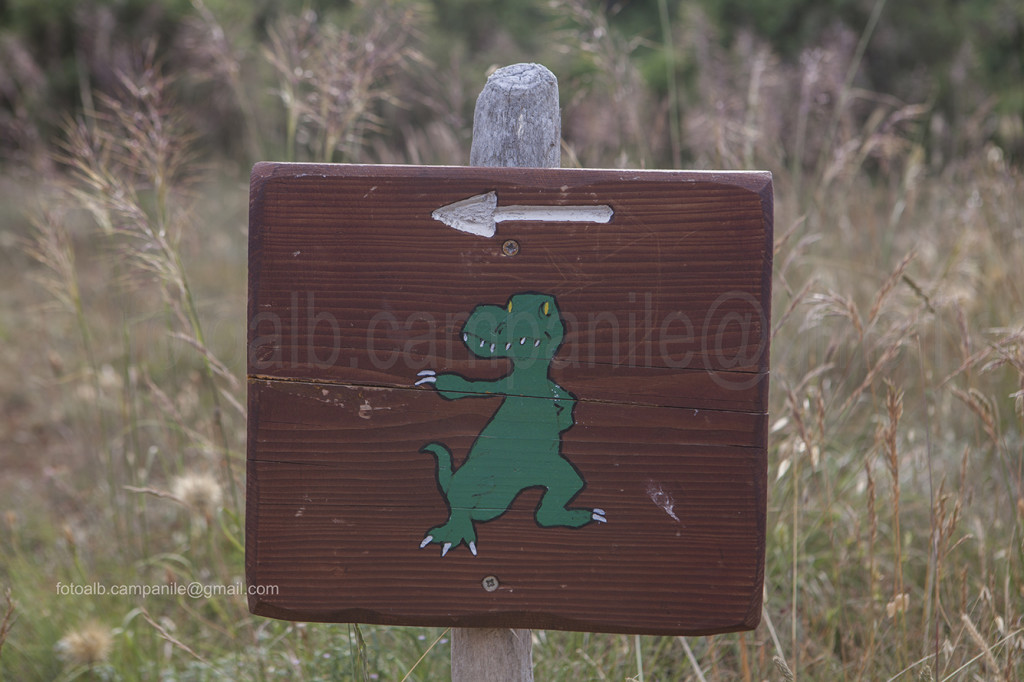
(959, 58)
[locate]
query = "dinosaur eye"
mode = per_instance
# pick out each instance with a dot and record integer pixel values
(546, 308)
(510, 305)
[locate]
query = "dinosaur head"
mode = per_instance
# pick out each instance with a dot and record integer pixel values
(528, 327)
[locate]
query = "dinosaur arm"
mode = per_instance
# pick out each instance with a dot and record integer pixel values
(455, 386)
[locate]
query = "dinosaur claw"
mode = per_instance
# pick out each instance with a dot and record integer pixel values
(447, 546)
(426, 380)
(472, 548)
(426, 541)
(599, 516)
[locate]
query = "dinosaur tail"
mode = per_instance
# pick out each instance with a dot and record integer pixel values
(444, 463)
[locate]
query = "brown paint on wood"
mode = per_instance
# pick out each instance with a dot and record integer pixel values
(354, 288)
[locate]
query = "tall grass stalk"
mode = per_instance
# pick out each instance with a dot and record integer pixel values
(52, 247)
(8, 619)
(887, 436)
(692, 659)
(851, 73)
(134, 170)
(674, 125)
(332, 80)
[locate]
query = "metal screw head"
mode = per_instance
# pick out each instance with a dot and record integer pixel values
(510, 247)
(490, 583)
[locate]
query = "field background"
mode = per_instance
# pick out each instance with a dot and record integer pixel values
(895, 133)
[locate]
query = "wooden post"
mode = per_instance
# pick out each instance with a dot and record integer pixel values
(516, 123)
(491, 655)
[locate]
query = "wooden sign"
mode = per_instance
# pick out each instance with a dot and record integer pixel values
(506, 397)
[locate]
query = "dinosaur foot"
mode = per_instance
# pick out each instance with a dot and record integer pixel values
(447, 545)
(452, 534)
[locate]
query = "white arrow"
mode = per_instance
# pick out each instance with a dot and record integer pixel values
(480, 215)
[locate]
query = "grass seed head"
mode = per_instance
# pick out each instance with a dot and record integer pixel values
(87, 646)
(200, 492)
(899, 604)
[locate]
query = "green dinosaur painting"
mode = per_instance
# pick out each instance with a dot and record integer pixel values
(521, 446)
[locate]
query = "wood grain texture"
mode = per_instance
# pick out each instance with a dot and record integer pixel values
(354, 289)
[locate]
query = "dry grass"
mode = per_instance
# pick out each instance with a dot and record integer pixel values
(896, 501)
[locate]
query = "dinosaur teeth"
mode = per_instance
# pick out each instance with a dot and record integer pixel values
(522, 341)
(465, 337)
(536, 343)
(482, 342)
(508, 345)
(492, 347)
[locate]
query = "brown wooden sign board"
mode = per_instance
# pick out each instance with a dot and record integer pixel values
(553, 415)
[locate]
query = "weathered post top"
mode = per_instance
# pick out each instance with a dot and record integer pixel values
(516, 122)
